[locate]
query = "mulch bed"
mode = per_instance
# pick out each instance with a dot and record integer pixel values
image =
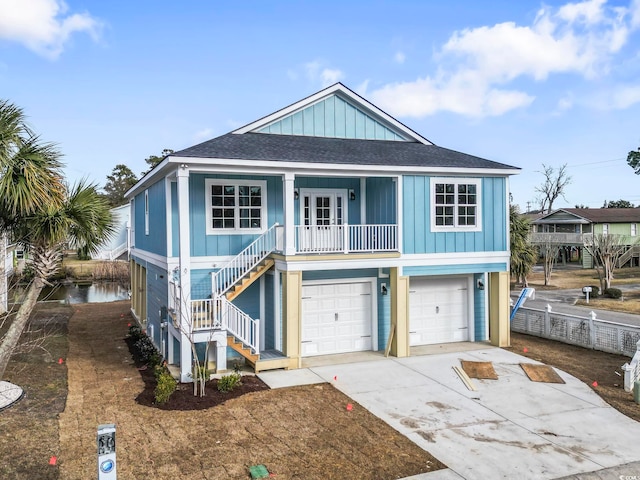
(183, 398)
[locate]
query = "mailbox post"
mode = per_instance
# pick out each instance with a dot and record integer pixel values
(107, 452)
(586, 291)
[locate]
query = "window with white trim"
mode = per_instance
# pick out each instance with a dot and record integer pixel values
(235, 206)
(605, 229)
(455, 204)
(634, 229)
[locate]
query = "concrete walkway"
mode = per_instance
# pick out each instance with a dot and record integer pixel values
(506, 428)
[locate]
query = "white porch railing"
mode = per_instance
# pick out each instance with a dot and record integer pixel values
(632, 370)
(346, 238)
(225, 278)
(240, 325)
(221, 314)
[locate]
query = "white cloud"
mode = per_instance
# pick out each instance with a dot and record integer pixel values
(43, 26)
(624, 97)
(478, 66)
(399, 57)
(317, 72)
(330, 76)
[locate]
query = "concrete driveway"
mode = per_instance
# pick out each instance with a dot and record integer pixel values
(506, 428)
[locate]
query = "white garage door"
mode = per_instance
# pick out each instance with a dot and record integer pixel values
(336, 318)
(438, 310)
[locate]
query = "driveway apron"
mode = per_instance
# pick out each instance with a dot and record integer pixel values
(506, 428)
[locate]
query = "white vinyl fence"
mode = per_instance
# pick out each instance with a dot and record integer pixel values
(588, 332)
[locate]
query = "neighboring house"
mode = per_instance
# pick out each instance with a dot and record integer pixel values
(118, 245)
(6, 271)
(572, 228)
(326, 227)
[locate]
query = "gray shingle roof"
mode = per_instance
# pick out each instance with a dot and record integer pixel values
(608, 215)
(305, 149)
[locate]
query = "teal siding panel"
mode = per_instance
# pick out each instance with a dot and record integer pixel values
(479, 306)
(297, 124)
(381, 201)
(454, 269)
(333, 117)
(175, 218)
(156, 240)
(249, 300)
(269, 312)
(157, 298)
(201, 284)
(350, 121)
(340, 116)
(369, 128)
(307, 121)
(318, 120)
(418, 237)
(384, 314)
(218, 245)
(330, 117)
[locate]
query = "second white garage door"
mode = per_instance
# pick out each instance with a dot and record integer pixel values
(438, 310)
(336, 318)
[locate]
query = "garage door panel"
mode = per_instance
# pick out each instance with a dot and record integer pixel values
(438, 310)
(336, 318)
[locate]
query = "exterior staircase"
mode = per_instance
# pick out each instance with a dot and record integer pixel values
(230, 281)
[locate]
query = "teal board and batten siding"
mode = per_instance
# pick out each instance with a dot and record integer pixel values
(479, 309)
(228, 244)
(417, 234)
(381, 201)
(156, 240)
(333, 117)
(175, 221)
(269, 312)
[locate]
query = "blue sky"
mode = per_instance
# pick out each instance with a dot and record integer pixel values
(524, 83)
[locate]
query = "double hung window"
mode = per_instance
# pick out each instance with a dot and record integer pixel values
(235, 206)
(455, 204)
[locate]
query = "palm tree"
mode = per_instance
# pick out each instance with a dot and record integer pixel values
(38, 210)
(523, 254)
(82, 221)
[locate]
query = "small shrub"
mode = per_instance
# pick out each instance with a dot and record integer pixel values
(229, 382)
(612, 292)
(165, 384)
(148, 352)
(135, 332)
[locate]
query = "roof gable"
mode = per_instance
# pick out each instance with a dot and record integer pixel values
(335, 112)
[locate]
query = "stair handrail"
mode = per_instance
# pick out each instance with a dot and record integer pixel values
(239, 324)
(236, 268)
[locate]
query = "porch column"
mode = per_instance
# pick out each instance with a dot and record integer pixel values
(292, 317)
(499, 324)
(289, 215)
(185, 273)
(399, 312)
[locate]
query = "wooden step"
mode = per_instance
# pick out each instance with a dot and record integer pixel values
(251, 277)
(243, 350)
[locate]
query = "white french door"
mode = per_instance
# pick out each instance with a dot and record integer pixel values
(322, 214)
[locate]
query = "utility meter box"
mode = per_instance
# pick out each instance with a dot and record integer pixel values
(107, 452)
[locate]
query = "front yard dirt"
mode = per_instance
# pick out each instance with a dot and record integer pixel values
(297, 433)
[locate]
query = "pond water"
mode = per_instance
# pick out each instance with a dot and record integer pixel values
(82, 292)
